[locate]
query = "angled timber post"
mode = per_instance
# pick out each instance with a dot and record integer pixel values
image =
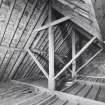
(73, 54)
(51, 80)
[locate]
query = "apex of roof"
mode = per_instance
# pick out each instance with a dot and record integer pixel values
(81, 12)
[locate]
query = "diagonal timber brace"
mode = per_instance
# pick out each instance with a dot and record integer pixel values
(78, 70)
(53, 23)
(76, 56)
(37, 62)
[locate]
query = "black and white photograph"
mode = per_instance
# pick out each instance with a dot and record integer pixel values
(52, 52)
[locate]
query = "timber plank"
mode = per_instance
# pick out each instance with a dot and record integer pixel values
(77, 89)
(10, 64)
(67, 103)
(6, 61)
(14, 93)
(21, 96)
(19, 73)
(14, 68)
(93, 93)
(31, 25)
(13, 22)
(23, 23)
(7, 14)
(84, 91)
(68, 89)
(49, 100)
(35, 100)
(72, 89)
(59, 102)
(103, 80)
(16, 97)
(11, 90)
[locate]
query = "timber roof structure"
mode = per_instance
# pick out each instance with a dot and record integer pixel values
(21, 21)
(50, 43)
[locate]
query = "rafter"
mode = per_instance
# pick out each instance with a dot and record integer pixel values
(78, 5)
(39, 51)
(16, 24)
(39, 22)
(60, 44)
(25, 25)
(12, 48)
(53, 23)
(77, 9)
(92, 76)
(7, 20)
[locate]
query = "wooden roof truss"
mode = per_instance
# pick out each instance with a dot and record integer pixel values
(19, 44)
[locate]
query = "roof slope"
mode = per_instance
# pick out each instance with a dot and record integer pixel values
(99, 6)
(81, 13)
